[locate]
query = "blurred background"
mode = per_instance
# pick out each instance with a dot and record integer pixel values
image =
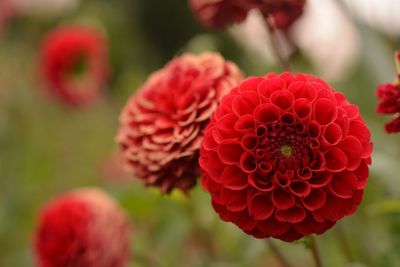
(47, 148)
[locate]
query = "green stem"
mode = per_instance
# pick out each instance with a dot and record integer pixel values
(315, 252)
(275, 250)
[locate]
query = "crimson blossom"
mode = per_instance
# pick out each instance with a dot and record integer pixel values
(82, 228)
(161, 125)
(74, 64)
(221, 13)
(389, 96)
(285, 156)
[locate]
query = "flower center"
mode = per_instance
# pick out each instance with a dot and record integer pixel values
(286, 150)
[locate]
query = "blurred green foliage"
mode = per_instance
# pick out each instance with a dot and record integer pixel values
(47, 148)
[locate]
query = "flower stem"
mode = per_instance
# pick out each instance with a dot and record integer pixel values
(315, 252)
(270, 24)
(277, 253)
(344, 243)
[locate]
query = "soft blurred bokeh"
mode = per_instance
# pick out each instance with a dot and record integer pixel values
(47, 148)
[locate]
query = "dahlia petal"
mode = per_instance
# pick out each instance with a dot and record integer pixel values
(230, 151)
(245, 222)
(292, 215)
(362, 173)
(245, 123)
(304, 173)
(249, 141)
(245, 103)
(336, 159)
(248, 162)
(235, 200)
(309, 225)
(267, 113)
(332, 134)
(273, 227)
(233, 178)
(359, 130)
(261, 184)
(300, 188)
(321, 179)
(302, 108)
(352, 111)
(343, 184)
(226, 126)
(287, 118)
(353, 149)
(303, 90)
(314, 129)
(315, 200)
(215, 166)
(282, 99)
(343, 121)
(268, 87)
(261, 207)
(290, 236)
(282, 199)
(332, 210)
(250, 84)
(325, 111)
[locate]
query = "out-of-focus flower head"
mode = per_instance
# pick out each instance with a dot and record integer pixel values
(84, 227)
(285, 156)
(161, 125)
(74, 64)
(222, 13)
(389, 100)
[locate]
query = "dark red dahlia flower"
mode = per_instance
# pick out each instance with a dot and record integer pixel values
(83, 228)
(74, 64)
(221, 13)
(285, 156)
(283, 12)
(161, 125)
(389, 96)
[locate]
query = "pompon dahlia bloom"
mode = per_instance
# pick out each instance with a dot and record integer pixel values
(82, 228)
(221, 13)
(74, 64)
(161, 125)
(389, 96)
(285, 156)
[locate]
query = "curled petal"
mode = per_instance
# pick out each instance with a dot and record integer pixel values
(336, 159)
(261, 207)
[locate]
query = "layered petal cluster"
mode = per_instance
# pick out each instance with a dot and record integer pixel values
(285, 156)
(74, 64)
(389, 101)
(161, 125)
(82, 228)
(221, 13)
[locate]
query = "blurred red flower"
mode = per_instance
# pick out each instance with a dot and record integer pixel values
(82, 228)
(389, 101)
(285, 156)
(221, 13)
(74, 64)
(161, 125)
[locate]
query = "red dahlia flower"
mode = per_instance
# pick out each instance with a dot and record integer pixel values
(220, 13)
(74, 64)
(83, 228)
(161, 125)
(389, 96)
(285, 156)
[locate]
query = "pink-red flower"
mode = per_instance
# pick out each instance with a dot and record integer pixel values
(285, 156)
(221, 13)
(74, 64)
(82, 228)
(161, 125)
(389, 101)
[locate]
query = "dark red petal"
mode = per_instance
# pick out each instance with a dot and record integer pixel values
(249, 141)
(353, 150)
(300, 188)
(302, 108)
(268, 87)
(332, 134)
(343, 184)
(325, 111)
(282, 199)
(261, 207)
(248, 162)
(267, 113)
(233, 178)
(245, 123)
(230, 152)
(234, 200)
(244, 104)
(320, 179)
(293, 215)
(282, 99)
(315, 200)
(335, 159)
